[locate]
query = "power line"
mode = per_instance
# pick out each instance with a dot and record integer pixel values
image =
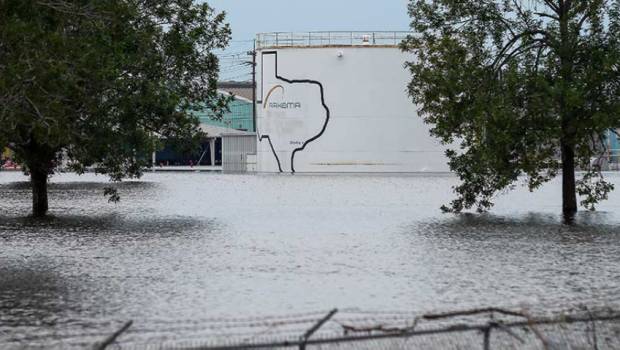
(232, 54)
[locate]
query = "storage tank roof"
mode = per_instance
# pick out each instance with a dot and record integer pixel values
(329, 39)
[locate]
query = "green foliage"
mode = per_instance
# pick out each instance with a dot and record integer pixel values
(98, 82)
(593, 188)
(509, 82)
(112, 194)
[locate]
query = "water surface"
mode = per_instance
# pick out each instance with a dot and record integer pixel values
(180, 248)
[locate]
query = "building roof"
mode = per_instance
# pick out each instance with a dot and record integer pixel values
(239, 116)
(238, 88)
(218, 131)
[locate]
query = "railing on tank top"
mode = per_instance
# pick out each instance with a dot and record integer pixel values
(332, 38)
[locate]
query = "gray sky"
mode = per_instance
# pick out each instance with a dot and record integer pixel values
(248, 17)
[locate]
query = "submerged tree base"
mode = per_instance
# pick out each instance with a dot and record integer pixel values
(38, 180)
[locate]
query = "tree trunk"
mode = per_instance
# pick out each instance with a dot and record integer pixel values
(38, 180)
(567, 144)
(569, 196)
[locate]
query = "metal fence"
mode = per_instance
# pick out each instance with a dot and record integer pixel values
(235, 151)
(309, 39)
(489, 328)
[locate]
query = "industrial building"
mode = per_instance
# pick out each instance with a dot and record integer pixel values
(338, 102)
(326, 102)
(235, 125)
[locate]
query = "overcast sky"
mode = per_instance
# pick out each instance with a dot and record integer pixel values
(248, 17)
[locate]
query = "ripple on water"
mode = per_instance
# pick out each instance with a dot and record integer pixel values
(185, 247)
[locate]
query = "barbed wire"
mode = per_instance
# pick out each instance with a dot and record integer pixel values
(523, 327)
(592, 325)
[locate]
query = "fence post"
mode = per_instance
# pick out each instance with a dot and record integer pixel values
(315, 327)
(487, 338)
(111, 339)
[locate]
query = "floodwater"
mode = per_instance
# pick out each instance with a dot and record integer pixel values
(194, 246)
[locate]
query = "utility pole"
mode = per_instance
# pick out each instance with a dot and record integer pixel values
(253, 53)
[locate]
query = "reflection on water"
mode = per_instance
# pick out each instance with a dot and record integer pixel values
(185, 247)
(35, 288)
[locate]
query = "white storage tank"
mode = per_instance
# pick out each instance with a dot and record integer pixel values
(338, 102)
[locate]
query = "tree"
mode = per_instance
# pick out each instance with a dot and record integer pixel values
(98, 82)
(524, 88)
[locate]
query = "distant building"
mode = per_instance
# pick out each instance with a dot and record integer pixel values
(237, 88)
(238, 122)
(239, 118)
(614, 145)
(613, 150)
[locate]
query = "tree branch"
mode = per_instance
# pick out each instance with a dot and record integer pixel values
(514, 40)
(542, 14)
(586, 15)
(516, 52)
(553, 6)
(538, 55)
(36, 109)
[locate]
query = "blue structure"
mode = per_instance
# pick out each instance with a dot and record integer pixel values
(240, 116)
(614, 145)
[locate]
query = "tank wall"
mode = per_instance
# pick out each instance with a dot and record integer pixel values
(366, 124)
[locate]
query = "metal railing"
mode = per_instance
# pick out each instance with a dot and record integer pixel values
(332, 38)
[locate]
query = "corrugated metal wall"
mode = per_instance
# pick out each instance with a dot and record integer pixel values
(235, 151)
